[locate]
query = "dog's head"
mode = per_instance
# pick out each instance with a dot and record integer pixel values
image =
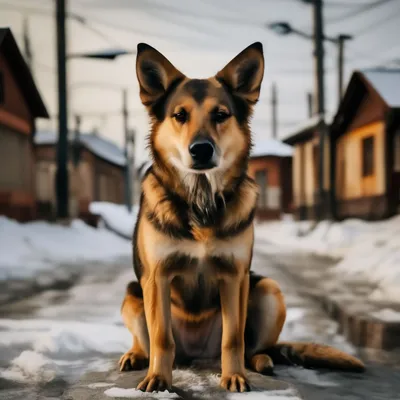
(200, 127)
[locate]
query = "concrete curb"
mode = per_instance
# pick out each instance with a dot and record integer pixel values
(361, 329)
(352, 314)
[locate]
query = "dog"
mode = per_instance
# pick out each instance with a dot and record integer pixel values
(193, 241)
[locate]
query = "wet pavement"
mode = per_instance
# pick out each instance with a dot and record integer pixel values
(49, 342)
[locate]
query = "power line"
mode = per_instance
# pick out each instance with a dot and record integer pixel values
(377, 23)
(357, 12)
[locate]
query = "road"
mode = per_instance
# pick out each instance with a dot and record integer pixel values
(49, 341)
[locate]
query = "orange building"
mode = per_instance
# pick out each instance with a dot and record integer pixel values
(20, 105)
(365, 143)
(270, 166)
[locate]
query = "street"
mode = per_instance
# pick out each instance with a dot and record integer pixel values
(49, 341)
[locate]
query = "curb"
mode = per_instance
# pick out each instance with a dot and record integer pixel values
(359, 328)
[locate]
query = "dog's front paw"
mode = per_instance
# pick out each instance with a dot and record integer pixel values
(154, 382)
(132, 362)
(235, 383)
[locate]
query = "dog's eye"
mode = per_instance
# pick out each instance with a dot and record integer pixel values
(221, 116)
(181, 116)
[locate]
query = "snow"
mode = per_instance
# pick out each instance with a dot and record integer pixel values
(387, 83)
(271, 395)
(369, 252)
(116, 216)
(387, 315)
(271, 147)
(137, 394)
(30, 366)
(27, 249)
(98, 145)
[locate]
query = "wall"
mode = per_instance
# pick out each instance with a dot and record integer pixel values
(95, 180)
(17, 189)
(350, 184)
(274, 193)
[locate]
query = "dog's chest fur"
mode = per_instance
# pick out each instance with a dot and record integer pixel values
(194, 248)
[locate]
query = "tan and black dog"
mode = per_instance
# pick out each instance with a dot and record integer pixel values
(193, 242)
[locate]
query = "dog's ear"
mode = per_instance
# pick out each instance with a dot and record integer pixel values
(244, 74)
(155, 74)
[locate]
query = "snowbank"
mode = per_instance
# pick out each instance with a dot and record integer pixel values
(369, 251)
(26, 249)
(116, 216)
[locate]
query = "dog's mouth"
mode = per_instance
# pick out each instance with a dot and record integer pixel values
(204, 166)
(196, 168)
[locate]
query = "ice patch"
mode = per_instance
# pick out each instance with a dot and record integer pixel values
(30, 366)
(100, 385)
(287, 394)
(137, 394)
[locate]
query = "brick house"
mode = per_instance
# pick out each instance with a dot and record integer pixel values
(270, 165)
(98, 176)
(20, 105)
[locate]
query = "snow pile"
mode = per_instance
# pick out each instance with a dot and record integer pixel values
(30, 366)
(326, 238)
(26, 249)
(116, 216)
(369, 251)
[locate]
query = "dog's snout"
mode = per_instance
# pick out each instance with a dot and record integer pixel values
(202, 152)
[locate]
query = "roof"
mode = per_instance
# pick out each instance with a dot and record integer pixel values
(305, 129)
(96, 144)
(270, 147)
(386, 82)
(22, 74)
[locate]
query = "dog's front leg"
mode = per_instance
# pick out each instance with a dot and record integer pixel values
(156, 295)
(234, 294)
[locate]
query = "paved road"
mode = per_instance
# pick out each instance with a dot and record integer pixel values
(48, 342)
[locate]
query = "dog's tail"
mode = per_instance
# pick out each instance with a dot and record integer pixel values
(311, 355)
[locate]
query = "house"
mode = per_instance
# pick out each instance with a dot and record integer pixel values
(365, 143)
(20, 105)
(98, 174)
(270, 165)
(305, 142)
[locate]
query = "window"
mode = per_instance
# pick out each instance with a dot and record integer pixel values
(396, 166)
(261, 180)
(368, 156)
(2, 89)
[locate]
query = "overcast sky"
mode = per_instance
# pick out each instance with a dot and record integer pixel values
(199, 37)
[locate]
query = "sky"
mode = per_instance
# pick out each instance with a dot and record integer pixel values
(199, 37)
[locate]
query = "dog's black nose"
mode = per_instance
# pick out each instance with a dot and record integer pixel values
(202, 151)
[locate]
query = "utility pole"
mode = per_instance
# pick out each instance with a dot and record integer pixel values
(340, 43)
(125, 115)
(77, 134)
(310, 106)
(62, 185)
(274, 108)
(320, 96)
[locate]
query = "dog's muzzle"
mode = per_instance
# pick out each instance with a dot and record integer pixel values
(202, 151)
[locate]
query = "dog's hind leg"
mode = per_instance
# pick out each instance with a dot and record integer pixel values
(265, 318)
(134, 319)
